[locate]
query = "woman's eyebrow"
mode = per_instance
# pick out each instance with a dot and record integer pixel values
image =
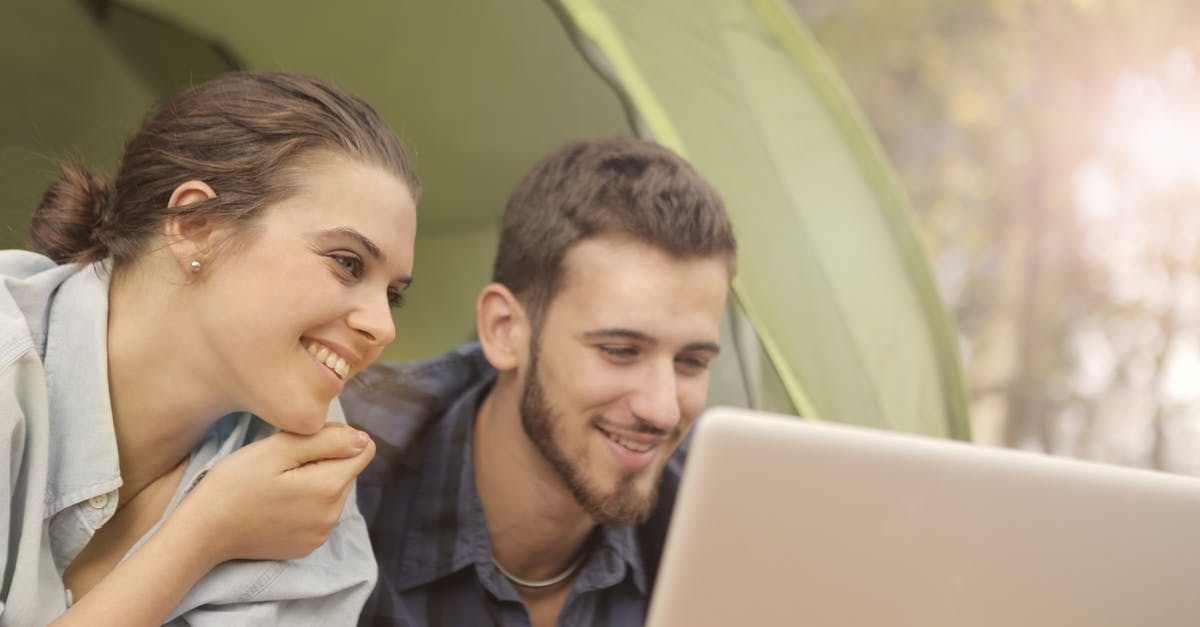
(373, 250)
(347, 231)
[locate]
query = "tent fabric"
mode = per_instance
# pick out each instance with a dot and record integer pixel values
(831, 273)
(834, 314)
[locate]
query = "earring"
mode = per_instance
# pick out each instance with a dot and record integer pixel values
(195, 266)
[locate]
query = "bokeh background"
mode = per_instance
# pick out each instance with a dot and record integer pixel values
(1051, 150)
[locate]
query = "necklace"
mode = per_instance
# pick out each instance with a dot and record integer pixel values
(544, 583)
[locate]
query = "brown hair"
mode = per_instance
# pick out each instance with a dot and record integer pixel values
(239, 133)
(605, 186)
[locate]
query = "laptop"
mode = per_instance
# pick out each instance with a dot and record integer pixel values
(782, 521)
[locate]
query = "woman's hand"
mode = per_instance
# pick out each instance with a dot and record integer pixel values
(277, 498)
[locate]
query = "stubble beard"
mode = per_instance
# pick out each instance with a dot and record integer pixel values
(623, 505)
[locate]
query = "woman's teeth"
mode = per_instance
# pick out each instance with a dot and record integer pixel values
(329, 358)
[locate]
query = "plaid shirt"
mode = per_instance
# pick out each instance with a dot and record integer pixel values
(427, 525)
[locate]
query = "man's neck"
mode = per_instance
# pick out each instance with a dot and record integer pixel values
(536, 526)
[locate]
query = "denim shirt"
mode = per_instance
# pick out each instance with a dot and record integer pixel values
(427, 524)
(60, 471)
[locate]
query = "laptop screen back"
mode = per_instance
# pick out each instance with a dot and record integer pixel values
(788, 522)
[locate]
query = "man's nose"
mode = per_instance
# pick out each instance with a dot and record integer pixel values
(656, 400)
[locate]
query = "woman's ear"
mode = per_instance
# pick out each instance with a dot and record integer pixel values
(503, 327)
(189, 236)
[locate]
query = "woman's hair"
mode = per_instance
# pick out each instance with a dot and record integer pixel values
(243, 134)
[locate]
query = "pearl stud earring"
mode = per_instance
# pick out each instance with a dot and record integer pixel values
(195, 266)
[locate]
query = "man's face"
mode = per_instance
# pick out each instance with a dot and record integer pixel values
(618, 371)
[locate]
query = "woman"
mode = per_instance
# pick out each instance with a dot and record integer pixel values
(239, 270)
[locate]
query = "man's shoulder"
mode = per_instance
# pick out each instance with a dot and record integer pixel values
(396, 401)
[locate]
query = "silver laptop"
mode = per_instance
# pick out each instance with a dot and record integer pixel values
(782, 521)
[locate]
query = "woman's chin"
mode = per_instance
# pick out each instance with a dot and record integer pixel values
(299, 420)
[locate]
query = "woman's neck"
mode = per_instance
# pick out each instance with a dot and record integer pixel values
(161, 406)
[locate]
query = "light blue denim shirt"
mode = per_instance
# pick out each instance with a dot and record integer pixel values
(59, 470)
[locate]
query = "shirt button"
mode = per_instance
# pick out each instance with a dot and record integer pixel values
(98, 501)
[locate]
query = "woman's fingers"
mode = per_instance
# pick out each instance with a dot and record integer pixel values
(333, 471)
(280, 497)
(333, 441)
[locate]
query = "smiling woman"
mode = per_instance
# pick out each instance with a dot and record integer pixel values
(172, 352)
(315, 278)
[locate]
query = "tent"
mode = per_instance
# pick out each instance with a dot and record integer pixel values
(834, 313)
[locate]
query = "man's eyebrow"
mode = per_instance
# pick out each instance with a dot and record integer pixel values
(352, 233)
(709, 347)
(628, 334)
(638, 336)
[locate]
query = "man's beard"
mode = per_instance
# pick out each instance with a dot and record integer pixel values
(624, 505)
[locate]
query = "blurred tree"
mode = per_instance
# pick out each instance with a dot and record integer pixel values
(1065, 248)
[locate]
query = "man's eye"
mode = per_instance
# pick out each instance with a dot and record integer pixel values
(352, 265)
(620, 352)
(693, 364)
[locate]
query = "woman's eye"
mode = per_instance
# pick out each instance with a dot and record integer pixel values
(351, 265)
(396, 299)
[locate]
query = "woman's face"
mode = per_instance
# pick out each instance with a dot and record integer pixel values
(304, 301)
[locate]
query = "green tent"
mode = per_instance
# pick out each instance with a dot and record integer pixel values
(835, 315)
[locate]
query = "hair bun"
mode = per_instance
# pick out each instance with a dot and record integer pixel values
(68, 225)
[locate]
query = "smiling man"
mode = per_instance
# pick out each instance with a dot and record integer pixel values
(527, 479)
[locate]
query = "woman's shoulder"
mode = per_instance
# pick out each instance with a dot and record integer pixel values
(23, 263)
(28, 282)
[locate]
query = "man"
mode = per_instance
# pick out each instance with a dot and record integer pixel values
(517, 480)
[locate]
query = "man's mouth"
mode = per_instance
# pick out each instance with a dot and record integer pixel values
(636, 447)
(632, 445)
(332, 360)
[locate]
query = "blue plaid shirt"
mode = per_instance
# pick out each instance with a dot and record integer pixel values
(426, 522)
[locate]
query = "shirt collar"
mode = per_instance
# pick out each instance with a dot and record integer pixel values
(83, 456)
(623, 542)
(448, 532)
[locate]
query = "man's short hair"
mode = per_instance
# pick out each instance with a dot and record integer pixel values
(600, 187)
